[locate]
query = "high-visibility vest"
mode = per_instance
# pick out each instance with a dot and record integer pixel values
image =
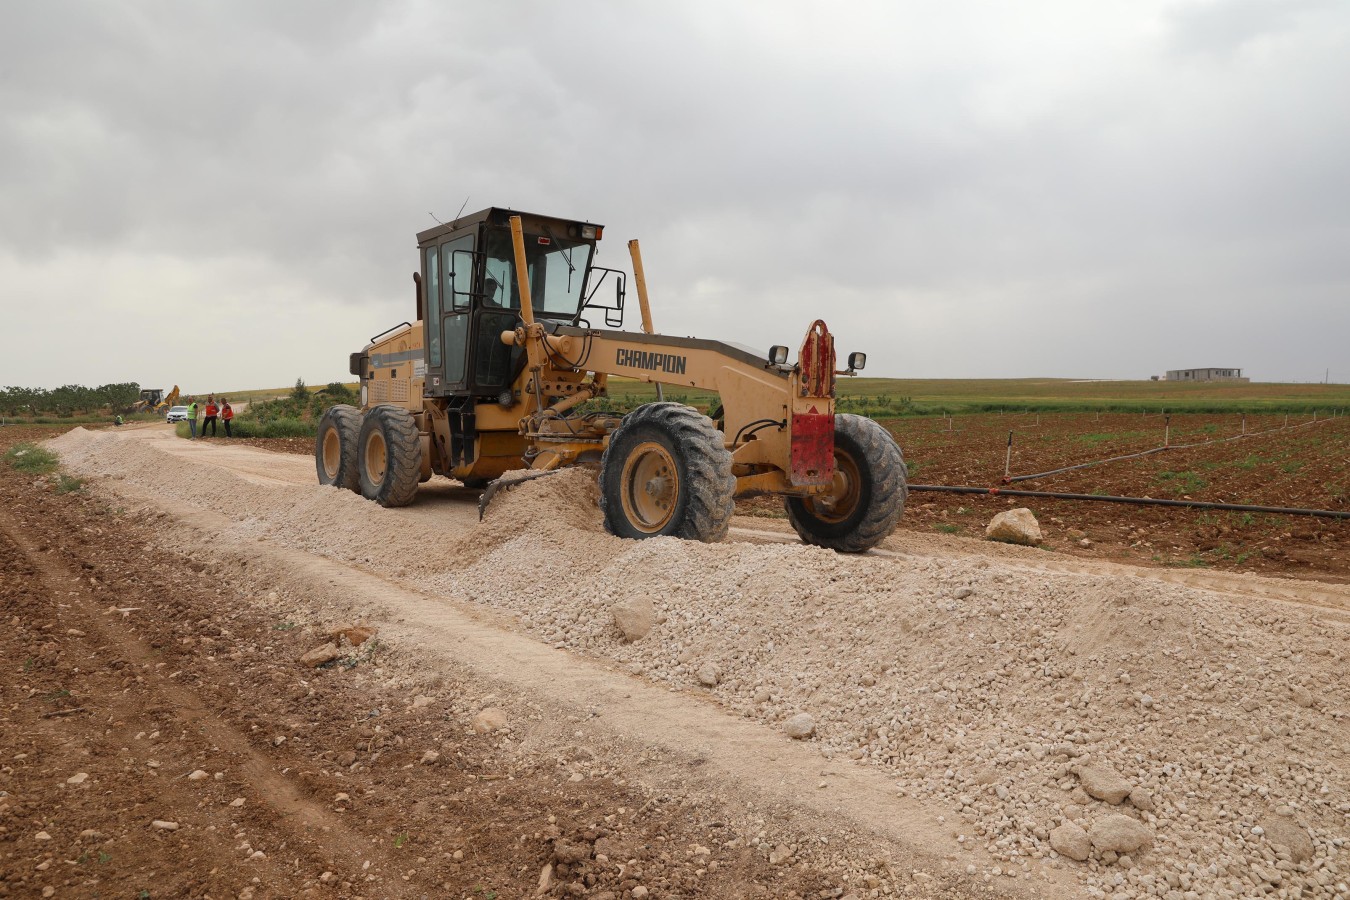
(211, 409)
(192, 410)
(227, 412)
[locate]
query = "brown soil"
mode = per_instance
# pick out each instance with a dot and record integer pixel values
(1304, 466)
(131, 665)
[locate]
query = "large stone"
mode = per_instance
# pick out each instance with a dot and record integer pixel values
(1071, 841)
(634, 617)
(356, 635)
(800, 726)
(1120, 834)
(1286, 833)
(1102, 782)
(1015, 526)
(320, 655)
(490, 719)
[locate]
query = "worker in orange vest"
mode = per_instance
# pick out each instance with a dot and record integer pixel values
(212, 411)
(226, 414)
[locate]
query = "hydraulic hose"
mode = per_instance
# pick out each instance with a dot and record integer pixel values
(1137, 501)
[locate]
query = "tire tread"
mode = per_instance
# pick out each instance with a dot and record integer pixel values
(710, 485)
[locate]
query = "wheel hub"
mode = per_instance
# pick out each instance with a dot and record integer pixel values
(845, 490)
(650, 487)
(375, 457)
(332, 453)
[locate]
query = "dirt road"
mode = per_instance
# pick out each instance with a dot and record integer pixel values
(963, 699)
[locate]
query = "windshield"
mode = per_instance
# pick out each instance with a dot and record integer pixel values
(182, 409)
(557, 273)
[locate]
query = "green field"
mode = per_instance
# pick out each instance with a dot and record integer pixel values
(905, 396)
(888, 397)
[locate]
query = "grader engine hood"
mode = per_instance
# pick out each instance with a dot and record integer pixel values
(811, 454)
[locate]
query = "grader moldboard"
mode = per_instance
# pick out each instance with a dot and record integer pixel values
(498, 369)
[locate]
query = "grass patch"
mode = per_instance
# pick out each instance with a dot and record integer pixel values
(947, 528)
(1182, 482)
(29, 457)
(1093, 440)
(66, 485)
(273, 428)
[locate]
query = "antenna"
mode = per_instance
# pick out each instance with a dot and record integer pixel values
(461, 207)
(433, 216)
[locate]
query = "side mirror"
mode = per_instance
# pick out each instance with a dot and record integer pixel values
(857, 362)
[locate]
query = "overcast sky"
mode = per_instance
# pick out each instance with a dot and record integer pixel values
(225, 195)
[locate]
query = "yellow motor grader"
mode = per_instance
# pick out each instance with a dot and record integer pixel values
(501, 366)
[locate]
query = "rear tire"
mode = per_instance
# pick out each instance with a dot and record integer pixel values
(335, 448)
(667, 471)
(869, 495)
(390, 456)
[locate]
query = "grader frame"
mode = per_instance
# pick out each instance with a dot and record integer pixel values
(665, 469)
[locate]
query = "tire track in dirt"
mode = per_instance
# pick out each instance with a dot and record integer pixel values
(302, 816)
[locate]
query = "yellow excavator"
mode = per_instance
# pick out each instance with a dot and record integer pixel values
(501, 366)
(155, 400)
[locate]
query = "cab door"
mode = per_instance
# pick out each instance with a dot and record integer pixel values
(449, 275)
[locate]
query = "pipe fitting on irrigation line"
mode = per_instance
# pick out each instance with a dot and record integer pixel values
(1137, 501)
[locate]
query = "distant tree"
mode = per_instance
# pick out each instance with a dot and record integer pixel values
(337, 392)
(300, 393)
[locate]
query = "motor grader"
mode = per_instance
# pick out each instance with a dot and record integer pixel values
(501, 369)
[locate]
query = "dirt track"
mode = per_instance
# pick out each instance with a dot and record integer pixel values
(948, 731)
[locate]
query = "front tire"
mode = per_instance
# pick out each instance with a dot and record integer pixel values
(390, 456)
(335, 448)
(869, 490)
(667, 471)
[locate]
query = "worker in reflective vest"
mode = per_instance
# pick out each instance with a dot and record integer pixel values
(212, 411)
(226, 414)
(192, 418)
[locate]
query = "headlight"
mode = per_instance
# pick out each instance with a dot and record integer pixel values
(778, 355)
(857, 362)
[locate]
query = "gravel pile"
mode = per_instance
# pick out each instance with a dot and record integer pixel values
(1152, 739)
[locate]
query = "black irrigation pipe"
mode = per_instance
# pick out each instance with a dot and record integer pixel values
(1137, 501)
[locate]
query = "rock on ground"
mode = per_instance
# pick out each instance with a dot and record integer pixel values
(1291, 836)
(1102, 782)
(800, 726)
(1120, 833)
(1071, 841)
(320, 655)
(634, 617)
(489, 719)
(356, 635)
(1015, 526)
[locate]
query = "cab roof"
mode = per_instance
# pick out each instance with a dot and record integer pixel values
(500, 216)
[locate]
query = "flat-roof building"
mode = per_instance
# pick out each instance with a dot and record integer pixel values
(1205, 375)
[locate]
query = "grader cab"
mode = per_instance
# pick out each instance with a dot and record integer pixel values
(498, 370)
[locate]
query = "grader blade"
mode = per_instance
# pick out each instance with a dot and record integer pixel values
(508, 481)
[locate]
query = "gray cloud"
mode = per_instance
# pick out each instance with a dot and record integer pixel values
(1054, 188)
